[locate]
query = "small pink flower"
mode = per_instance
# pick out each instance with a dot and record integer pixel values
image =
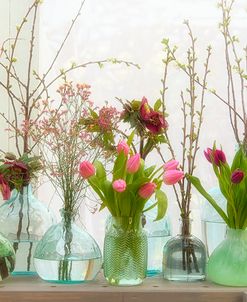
(86, 169)
(133, 163)
(123, 146)
(237, 176)
(171, 177)
(4, 188)
(147, 190)
(119, 185)
(171, 165)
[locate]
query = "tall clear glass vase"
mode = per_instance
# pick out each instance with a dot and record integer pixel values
(67, 253)
(184, 256)
(125, 251)
(24, 220)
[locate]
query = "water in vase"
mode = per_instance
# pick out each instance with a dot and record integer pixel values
(68, 271)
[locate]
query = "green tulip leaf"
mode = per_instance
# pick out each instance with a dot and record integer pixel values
(162, 202)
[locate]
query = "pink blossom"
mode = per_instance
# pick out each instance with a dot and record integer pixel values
(86, 169)
(119, 185)
(171, 177)
(4, 188)
(171, 165)
(123, 146)
(147, 190)
(133, 163)
(216, 156)
(237, 176)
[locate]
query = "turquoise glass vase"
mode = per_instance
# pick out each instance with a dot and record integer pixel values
(24, 220)
(7, 257)
(125, 251)
(228, 263)
(67, 254)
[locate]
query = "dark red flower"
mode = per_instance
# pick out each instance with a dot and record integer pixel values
(4, 188)
(237, 176)
(216, 156)
(153, 120)
(18, 170)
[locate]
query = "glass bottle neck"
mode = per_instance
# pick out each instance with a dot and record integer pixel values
(185, 227)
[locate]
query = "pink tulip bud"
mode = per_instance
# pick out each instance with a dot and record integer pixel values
(147, 190)
(171, 165)
(119, 185)
(133, 163)
(216, 156)
(86, 169)
(4, 188)
(237, 176)
(171, 177)
(123, 146)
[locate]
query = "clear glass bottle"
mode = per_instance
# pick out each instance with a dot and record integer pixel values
(228, 263)
(158, 233)
(125, 251)
(24, 220)
(184, 256)
(67, 253)
(213, 226)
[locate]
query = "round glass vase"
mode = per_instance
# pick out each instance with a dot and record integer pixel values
(24, 220)
(125, 251)
(184, 256)
(228, 263)
(67, 253)
(7, 257)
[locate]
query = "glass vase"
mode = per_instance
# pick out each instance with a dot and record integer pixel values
(125, 251)
(7, 257)
(213, 226)
(158, 233)
(24, 220)
(67, 254)
(228, 263)
(184, 256)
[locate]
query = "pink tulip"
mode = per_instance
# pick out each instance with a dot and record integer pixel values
(119, 185)
(216, 156)
(171, 177)
(86, 169)
(171, 165)
(237, 176)
(4, 188)
(123, 146)
(133, 163)
(147, 190)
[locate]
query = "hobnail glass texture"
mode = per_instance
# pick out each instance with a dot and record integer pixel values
(24, 220)
(7, 257)
(125, 252)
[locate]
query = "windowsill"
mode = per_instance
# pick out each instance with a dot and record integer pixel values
(20, 288)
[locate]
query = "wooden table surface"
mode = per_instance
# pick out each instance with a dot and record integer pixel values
(20, 289)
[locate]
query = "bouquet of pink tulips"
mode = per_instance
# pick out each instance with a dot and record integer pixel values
(233, 185)
(132, 183)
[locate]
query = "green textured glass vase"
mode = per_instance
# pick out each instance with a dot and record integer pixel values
(125, 251)
(67, 254)
(7, 257)
(228, 263)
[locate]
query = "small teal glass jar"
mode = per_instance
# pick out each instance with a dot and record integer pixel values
(184, 256)
(24, 220)
(67, 253)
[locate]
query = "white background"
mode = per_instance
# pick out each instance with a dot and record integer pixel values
(132, 30)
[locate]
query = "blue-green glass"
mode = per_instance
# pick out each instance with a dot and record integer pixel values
(158, 233)
(67, 254)
(184, 257)
(24, 220)
(228, 263)
(125, 251)
(7, 257)
(213, 226)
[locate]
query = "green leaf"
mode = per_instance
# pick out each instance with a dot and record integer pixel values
(157, 105)
(100, 171)
(197, 184)
(149, 170)
(119, 168)
(161, 204)
(131, 137)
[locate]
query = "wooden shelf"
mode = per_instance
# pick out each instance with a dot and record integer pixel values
(28, 289)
